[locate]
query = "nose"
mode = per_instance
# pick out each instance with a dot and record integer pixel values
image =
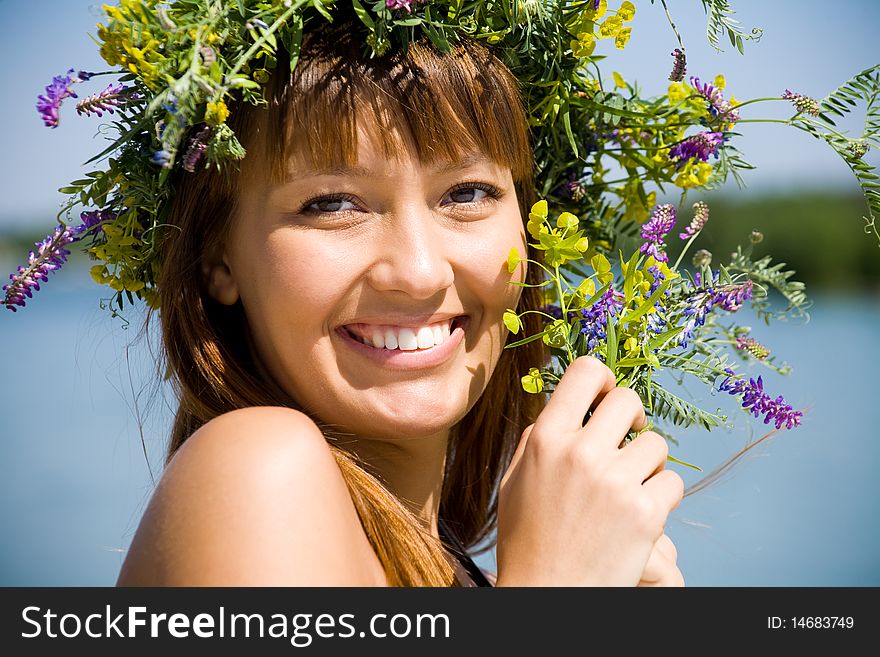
(413, 255)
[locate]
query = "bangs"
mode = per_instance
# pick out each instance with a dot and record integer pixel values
(444, 106)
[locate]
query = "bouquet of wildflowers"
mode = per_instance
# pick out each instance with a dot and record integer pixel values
(603, 151)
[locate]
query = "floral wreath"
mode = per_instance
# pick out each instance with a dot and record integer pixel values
(176, 64)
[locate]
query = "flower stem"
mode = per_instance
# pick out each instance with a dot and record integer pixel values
(684, 250)
(564, 312)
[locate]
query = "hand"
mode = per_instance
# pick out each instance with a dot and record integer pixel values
(661, 569)
(574, 508)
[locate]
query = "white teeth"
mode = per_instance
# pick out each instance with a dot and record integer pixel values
(407, 340)
(425, 337)
(390, 339)
(400, 337)
(378, 337)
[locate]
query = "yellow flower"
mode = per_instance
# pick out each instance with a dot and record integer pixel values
(216, 113)
(567, 220)
(539, 210)
(719, 81)
(627, 11)
(693, 174)
(610, 27)
(99, 274)
(513, 260)
(532, 382)
(618, 80)
(622, 38)
(587, 288)
(677, 92)
(584, 45)
(512, 321)
(599, 12)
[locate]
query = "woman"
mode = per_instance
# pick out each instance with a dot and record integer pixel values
(332, 317)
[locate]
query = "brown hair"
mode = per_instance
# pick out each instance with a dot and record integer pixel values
(451, 104)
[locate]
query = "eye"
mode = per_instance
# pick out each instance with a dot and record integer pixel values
(469, 193)
(328, 204)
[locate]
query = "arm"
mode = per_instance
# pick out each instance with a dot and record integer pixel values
(253, 498)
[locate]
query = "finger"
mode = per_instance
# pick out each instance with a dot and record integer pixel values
(655, 567)
(619, 412)
(666, 547)
(645, 455)
(667, 488)
(517, 455)
(584, 379)
(660, 569)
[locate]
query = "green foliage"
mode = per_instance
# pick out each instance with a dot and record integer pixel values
(720, 21)
(864, 88)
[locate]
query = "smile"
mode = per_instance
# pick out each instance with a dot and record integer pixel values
(405, 347)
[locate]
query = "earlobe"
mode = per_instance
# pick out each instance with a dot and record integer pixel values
(221, 283)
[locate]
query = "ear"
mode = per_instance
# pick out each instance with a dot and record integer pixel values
(221, 283)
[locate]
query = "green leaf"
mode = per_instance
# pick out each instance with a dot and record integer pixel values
(531, 338)
(611, 344)
(648, 304)
(362, 14)
(294, 43)
(566, 122)
(684, 463)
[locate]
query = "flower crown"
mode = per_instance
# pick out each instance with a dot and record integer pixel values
(178, 64)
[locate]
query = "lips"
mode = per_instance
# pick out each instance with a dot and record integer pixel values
(409, 360)
(406, 337)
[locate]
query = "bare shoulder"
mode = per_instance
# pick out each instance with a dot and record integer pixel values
(252, 498)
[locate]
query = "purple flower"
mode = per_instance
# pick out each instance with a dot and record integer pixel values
(717, 103)
(699, 146)
(701, 216)
(195, 150)
(49, 104)
(95, 218)
(162, 158)
(758, 402)
(595, 318)
(655, 229)
(679, 68)
(698, 307)
(402, 4)
(729, 297)
(802, 103)
(102, 102)
(49, 256)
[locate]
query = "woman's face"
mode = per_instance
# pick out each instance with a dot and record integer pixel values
(394, 254)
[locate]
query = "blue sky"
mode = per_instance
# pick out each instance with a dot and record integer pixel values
(806, 47)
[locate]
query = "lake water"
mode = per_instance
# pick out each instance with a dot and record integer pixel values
(802, 509)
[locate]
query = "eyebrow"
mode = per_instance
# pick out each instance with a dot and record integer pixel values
(363, 172)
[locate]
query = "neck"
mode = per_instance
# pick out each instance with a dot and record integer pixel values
(411, 469)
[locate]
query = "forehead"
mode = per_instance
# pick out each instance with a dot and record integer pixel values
(340, 110)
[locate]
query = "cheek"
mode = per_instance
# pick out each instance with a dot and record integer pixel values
(486, 264)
